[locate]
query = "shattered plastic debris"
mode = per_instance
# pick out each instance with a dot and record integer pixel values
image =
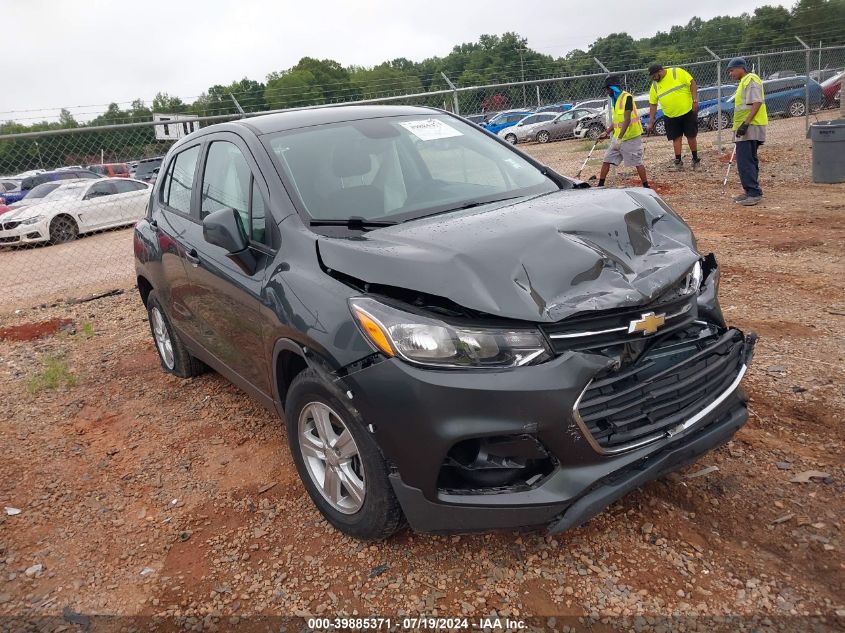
(702, 472)
(12, 511)
(808, 475)
(147, 571)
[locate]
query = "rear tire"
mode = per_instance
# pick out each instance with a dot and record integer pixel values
(796, 108)
(63, 228)
(175, 358)
(660, 127)
(543, 136)
(361, 502)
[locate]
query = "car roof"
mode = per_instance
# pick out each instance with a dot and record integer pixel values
(281, 121)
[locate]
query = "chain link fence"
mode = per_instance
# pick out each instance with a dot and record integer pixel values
(71, 196)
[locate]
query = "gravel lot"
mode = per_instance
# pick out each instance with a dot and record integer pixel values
(141, 494)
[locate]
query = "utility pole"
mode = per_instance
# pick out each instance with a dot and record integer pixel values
(521, 50)
(806, 84)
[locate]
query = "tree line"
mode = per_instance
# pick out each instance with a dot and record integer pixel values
(492, 59)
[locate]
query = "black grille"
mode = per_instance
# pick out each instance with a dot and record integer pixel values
(9, 240)
(571, 334)
(9, 225)
(670, 383)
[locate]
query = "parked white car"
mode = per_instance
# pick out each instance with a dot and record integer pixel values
(76, 207)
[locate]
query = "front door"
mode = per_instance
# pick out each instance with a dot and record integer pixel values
(225, 297)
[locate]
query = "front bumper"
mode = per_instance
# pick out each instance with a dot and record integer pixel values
(418, 416)
(23, 233)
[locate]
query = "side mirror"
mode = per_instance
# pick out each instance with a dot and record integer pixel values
(225, 229)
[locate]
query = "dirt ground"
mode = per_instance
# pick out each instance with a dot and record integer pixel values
(141, 494)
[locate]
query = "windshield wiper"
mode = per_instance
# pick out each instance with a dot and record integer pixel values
(354, 223)
(471, 205)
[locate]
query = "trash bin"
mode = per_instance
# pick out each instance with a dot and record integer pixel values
(828, 150)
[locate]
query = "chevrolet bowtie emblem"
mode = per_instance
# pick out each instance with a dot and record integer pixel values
(647, 323)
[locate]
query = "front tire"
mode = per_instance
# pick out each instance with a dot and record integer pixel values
(660, 127)
(595, 131)
(63, 228)
(543, 136)
(511, 138)
(175, 358)
(338, 460)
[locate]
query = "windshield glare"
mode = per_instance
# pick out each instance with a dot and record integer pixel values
(396, 168)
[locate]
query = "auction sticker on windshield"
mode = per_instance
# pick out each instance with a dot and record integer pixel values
(430, 129)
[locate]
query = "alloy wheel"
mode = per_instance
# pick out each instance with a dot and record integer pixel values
(331, 457)
(162, 337)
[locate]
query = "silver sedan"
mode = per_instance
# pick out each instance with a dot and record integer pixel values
(544, 128)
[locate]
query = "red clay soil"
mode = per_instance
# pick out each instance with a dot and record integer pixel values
(31, 331)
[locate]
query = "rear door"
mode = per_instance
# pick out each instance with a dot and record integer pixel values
(130, 200)
(224, 298)
(171, 218)
(98, 208)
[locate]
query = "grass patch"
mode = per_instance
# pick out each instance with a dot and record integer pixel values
(53, 374)
(589, 145)
(87, 330)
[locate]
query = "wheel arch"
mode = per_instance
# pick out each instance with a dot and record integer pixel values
(289, 360)
(144, 288)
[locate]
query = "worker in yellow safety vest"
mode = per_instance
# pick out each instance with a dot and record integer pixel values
(677, 93)
(749, 124)
(627, 129)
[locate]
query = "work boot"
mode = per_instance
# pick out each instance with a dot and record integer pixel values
(679, 164)
(750, 201)
(741, 197)
(696, 164)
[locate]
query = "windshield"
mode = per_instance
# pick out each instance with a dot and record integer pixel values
(398, 168)
(43, 190)
(147, 167)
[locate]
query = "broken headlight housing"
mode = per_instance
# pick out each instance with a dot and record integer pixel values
(692, 283)
(423, 340)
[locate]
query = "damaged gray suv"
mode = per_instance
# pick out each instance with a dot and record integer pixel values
(456, 336)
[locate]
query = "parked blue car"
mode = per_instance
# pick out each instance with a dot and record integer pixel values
(505, 119)
(27, 184)
(783, 96)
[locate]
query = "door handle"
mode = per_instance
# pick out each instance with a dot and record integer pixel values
(193, 257)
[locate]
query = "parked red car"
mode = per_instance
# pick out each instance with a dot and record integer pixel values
(829, 89)
(111, 170)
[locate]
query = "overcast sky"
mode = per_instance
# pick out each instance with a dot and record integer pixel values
(69, 54)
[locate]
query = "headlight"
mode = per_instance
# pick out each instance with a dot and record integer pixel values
(426, 341)
(34, 220)
(692, 284)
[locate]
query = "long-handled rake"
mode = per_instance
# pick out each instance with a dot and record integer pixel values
(728, 172)
(584, 164)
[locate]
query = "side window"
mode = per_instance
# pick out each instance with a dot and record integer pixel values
(100, 189)
(126, 186)
(176, 191)
(530, 119)
(226, 181)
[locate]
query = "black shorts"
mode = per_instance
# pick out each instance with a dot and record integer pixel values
(684, 125)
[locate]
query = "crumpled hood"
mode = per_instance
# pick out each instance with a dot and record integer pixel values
(543, 259)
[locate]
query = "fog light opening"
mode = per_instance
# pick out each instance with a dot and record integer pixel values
(491, 464)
